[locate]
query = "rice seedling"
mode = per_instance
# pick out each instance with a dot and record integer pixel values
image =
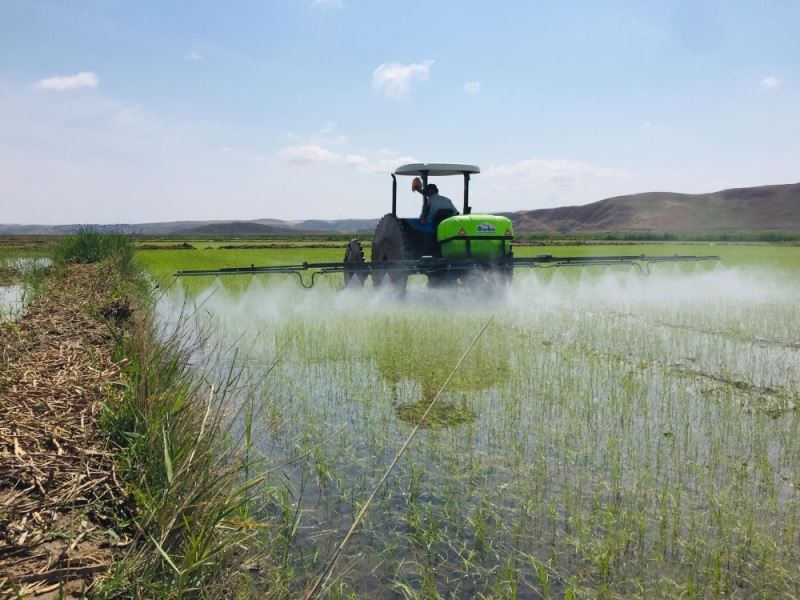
(612, 435)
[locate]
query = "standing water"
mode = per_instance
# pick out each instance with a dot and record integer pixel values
(11, 301)
(610, 433)
(12, 295)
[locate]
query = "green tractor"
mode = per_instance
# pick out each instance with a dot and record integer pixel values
(445, 247)
(454, 247)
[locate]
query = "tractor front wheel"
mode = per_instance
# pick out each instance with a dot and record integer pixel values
(354, 272)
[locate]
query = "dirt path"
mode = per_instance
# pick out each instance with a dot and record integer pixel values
(60, 499)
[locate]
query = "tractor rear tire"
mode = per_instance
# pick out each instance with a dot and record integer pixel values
(354, 257)
(389, 244)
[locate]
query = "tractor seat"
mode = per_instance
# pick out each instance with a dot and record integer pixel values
(441, 215)
(431, 225)
(416, 225)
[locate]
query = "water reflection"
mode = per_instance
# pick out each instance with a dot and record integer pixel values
(11, 301)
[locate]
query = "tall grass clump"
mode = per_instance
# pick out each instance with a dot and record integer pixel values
(88, 245)
(34, 280)
(189, 479)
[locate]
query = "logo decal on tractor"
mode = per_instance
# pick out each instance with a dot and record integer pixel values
(486, 228)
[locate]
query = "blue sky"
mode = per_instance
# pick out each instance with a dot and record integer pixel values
(149, 111)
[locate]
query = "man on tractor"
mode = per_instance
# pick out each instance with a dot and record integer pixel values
(435, 208)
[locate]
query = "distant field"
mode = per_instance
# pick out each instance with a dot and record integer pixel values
(225, 243)
(163, 263)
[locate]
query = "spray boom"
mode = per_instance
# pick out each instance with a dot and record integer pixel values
(440, 267)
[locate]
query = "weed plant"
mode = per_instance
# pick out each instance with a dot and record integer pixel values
(191, 478)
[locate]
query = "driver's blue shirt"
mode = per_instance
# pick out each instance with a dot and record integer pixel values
(434, 204)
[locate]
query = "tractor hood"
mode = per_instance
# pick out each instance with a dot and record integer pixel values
(482, 237)
(474, 226)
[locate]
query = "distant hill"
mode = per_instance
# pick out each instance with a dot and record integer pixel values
(237, 228)
(217, 227)
(763, 208)
(162, 228)
(754, 209)
(336, 226)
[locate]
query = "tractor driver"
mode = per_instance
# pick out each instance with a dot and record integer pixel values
(433, 203)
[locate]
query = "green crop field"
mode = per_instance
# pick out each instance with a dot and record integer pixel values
(611, 434)
(163, 263)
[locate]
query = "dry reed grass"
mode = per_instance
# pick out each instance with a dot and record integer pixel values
(61, 501)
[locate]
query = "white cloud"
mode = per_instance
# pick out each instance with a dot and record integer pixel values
(555, 182)
(769, 83)
(328, 128)
(307, 154)
(62, 83)
(313, 153)
(194, 56)
(395, 79)
(327, 4)
(534, 171)
(328, 135)
(473, 87)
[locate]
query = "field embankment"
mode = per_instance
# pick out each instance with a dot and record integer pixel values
(60, 496)
(118, 473)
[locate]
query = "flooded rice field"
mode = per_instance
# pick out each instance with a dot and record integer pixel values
(611, 434)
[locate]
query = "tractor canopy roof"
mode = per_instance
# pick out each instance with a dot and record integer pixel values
(436, 169)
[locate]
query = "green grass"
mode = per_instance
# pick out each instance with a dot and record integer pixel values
(733, 255)
(162, 264)
(187, 469)
(168, 261)
(90, 246)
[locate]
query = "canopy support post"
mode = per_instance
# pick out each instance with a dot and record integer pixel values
(467, 209)
(394, 195)
(424, 194)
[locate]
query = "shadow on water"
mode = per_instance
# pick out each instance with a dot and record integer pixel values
(417, 356)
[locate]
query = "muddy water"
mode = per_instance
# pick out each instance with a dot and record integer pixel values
(11, 301)
(12, 295)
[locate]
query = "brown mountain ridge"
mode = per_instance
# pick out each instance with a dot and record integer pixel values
(763, 208)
